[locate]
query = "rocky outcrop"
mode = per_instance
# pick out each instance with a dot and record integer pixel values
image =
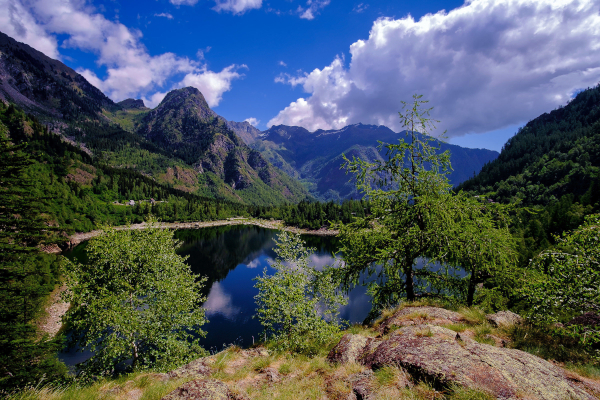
(205, 389)
(420, 315)
(444, 357)
(504, 319)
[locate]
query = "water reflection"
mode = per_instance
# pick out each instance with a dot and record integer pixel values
(232, 257)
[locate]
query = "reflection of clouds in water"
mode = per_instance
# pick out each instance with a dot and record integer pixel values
(318, 261)
(254, 263)
(219, 302)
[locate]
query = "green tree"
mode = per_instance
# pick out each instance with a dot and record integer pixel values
(414, 217)
(298, 306)
(135, 300)
(565, 280)
(26, 276)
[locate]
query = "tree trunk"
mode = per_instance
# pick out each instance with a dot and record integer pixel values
(471, 289)
(410, 288)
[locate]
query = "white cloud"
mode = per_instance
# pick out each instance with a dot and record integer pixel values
(236, 6)
(130, 70)
(312, 8)
(360, 8)
(17, 22)
(291, 80)
(183, 2)
(212, 84)
(283, 64)
(165, 15)
(254, 122)
(484, 66)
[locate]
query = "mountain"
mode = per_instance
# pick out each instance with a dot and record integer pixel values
(245, 131)
(316, 157)
(554, 155)
(182, 143)
(47, 87)
(184, 125)
(133, 104)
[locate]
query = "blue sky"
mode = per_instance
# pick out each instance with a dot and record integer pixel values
(487, 66)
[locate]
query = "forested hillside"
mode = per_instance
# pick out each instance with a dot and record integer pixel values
(550, 170)
(555, 154)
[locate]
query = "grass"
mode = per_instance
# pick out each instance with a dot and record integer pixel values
(311, 376)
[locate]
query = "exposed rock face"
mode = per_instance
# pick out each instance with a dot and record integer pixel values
(421, 315)
(504, 319)
(205, 389)
(244, 130)
(198, 368)
(442, 356)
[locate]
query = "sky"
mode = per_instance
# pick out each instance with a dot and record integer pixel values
(486, 66)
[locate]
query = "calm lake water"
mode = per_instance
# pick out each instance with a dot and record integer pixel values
(231, 257)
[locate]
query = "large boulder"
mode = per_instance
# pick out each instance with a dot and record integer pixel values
(420, 315)
(440, 355)
(205, 389)
(504, 319)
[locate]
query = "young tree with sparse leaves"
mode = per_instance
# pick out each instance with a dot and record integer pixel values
(415, 217)
(298, 306)
(135, 301)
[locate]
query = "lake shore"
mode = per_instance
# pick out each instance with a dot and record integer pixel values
(77, 238)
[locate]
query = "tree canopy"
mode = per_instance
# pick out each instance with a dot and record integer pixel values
(135, 301)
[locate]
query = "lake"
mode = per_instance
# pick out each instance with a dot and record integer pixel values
(231, 257)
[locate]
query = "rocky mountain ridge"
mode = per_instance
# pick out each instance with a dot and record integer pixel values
(316, 157)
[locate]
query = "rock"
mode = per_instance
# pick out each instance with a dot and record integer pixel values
(205, 389)
(362, 384)
(433, 353)
(420, 315)
(197, 368)
(348, 349)
(504, 319)
(272, 375)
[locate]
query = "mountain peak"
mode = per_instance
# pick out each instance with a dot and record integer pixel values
(187, 100)
(132, 104)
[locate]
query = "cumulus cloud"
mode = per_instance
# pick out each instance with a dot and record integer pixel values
(236, 6)
(484, 66)
(312, 8)
(254, 122)
(164, 15)
(212, 84)
(282, 64)
(291, 80)
(130, 70)
(17, 22)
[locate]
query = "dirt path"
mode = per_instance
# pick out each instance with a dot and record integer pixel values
(52, 321)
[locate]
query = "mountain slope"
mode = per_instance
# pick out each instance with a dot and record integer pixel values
(316, 157)
(45, 86)
(554, 155)
(186, 127)
(181, 143)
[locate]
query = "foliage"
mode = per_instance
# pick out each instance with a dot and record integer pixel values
(26, 276)
(414, 216)
(136, 300)
(566, 279)
(298, 306)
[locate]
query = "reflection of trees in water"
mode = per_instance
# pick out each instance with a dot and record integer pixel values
(216, 251)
